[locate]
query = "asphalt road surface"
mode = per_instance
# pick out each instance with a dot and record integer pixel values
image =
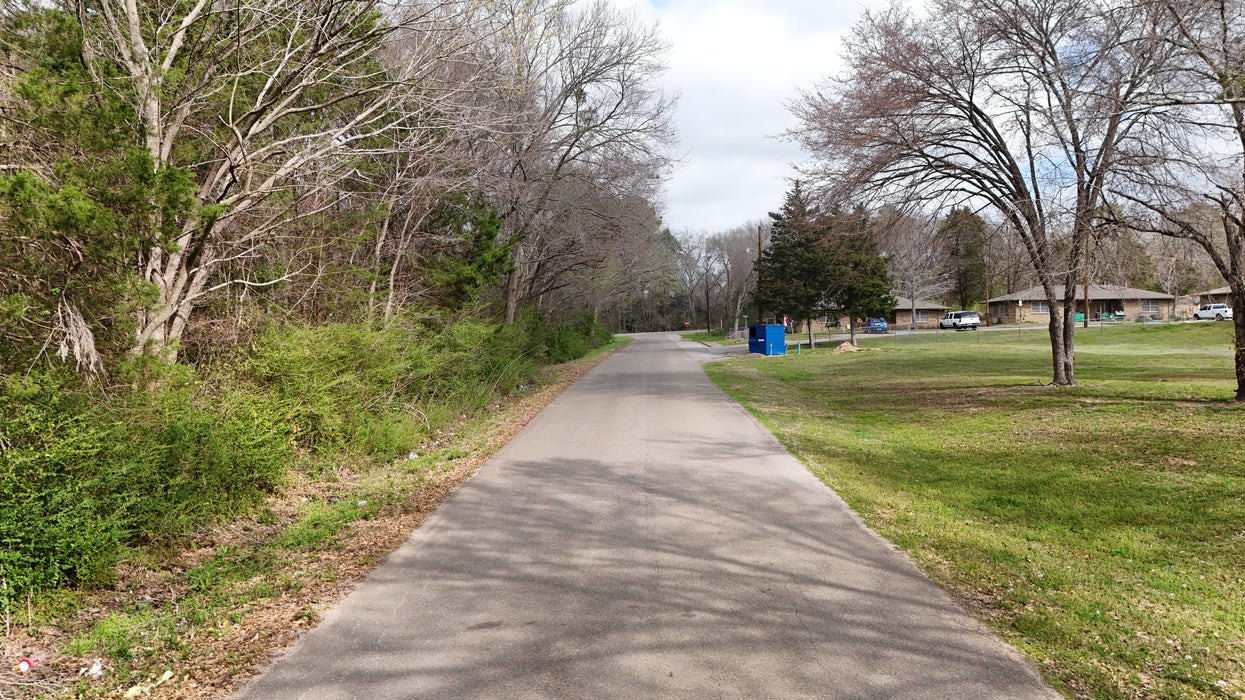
(644, 537)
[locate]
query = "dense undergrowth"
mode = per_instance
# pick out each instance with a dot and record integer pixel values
(160, 451)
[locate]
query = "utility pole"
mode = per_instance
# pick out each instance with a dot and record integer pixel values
(987, 295)
(1086, 306)
(708, 320)
(757, 269)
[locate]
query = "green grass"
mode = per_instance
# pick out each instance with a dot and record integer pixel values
(1100, 528)
(702, 337)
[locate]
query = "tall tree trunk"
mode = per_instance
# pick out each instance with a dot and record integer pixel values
(405, 236)
(514, 282)
(1060, 328)
(380, 245)
(1238, 321)
(178, 279)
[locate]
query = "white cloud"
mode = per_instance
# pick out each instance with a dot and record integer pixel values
(736, 64)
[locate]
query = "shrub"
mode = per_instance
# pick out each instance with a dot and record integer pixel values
(569, 340)
(84, 473)
(55, 527)
(84, 476)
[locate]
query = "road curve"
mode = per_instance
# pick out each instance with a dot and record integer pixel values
(644, 537)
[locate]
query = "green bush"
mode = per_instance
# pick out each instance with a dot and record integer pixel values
(332, 379)
(569, 340)
(81, 476)
(86, 473)
(54, 527)
(204, 458)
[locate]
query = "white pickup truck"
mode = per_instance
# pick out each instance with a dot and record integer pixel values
(1216, 311)
(960, 320)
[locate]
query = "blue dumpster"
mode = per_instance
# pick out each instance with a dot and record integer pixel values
(767, 339)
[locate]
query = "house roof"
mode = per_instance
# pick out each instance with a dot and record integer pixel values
(1096, 292)
(1214, 292)
(905, 304)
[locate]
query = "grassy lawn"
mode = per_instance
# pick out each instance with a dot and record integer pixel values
(1100, 529)
(715, 338)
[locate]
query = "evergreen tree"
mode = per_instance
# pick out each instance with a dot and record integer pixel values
(860, 282)
(964, 234)
(820, 263)
(793, 272)
(73, 218)
(465, 251)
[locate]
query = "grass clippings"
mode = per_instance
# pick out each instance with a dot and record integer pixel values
(197, 620)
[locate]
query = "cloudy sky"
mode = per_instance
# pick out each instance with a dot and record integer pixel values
(736, 64)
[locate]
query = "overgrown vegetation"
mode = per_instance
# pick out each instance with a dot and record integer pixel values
(1098, 528)
(87, 473)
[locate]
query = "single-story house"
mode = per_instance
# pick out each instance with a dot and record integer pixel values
(927, 314)
(1132, 304)
(1222, 295)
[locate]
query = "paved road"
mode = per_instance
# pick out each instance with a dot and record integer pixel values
(644, 537)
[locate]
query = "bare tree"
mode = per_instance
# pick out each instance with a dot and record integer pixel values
(915, 256)
(1193, 185)
(259, 97)
(1007, 264)
(1181, 266)
(1018, 105)
(735, 252)
(637, 277)
(693, 269)
(591, 118)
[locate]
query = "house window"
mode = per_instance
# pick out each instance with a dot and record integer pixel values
(1039, 307)
(1149, 306)
(922, 316)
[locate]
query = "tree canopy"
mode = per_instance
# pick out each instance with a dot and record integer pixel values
(821, 263)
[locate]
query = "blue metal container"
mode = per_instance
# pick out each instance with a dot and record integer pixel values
(767, 339)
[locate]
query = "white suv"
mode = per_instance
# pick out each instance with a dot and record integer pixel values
(1216, 311)
(960, 320)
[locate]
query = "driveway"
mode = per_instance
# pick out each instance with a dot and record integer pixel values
(645, 537)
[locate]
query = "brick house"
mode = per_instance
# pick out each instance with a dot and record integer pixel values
(1029, 306)
(927, 314)
(1223, 295)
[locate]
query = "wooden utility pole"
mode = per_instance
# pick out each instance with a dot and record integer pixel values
(1086, 305)
(987, 295)
(708, 321)
(757, 270)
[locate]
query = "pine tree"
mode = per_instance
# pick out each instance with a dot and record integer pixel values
(860, 282)
(819, 263)
(793, 271)
(964, 234)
